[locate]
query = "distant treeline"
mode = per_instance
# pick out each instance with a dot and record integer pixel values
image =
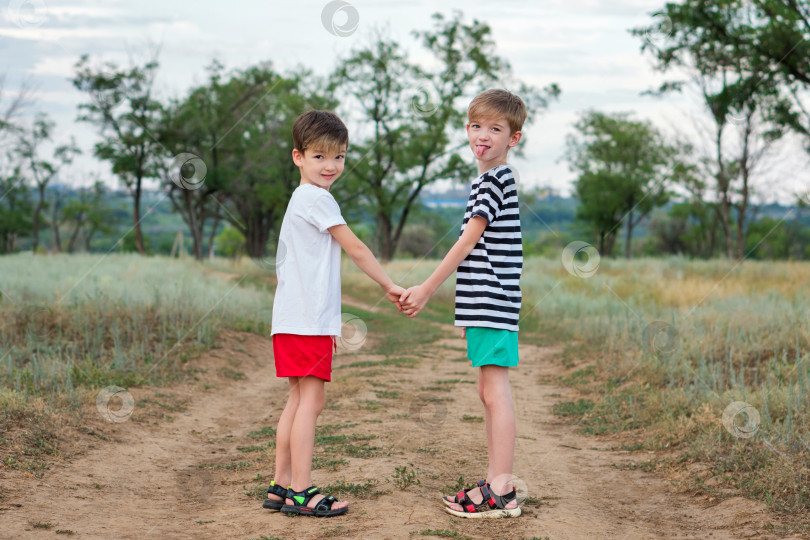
(549, 223)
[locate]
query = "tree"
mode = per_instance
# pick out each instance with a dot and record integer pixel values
(414, 117)
(230, 149)
(42, 171)
(774, 35)
(623, 166)
(712, 41)
(15, 207)
(89, 215)
(230, 242)
(126, 114)
(10, 109)
(769, 238)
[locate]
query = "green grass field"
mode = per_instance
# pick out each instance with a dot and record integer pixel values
(656, 349)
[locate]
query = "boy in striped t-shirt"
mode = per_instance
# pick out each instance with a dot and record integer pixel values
(488, 259)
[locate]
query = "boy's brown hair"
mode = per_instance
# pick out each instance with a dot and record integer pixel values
(497, 103)
(321, 129)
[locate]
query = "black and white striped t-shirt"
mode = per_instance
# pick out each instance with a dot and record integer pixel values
(487, 290)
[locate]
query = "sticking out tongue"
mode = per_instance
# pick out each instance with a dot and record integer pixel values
(479, 150)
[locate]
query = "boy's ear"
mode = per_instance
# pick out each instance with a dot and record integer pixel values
(298, 157)
(515, 138)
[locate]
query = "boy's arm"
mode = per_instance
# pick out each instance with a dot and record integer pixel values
(416, 298)
(365, 260)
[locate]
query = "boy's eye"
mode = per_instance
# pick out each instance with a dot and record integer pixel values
(341, 157)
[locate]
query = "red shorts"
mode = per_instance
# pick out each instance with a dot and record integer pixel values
(299, 356)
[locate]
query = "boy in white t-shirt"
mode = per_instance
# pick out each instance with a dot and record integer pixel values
(306, 308)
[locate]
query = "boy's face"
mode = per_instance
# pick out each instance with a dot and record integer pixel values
(318, 167)
(490, 140)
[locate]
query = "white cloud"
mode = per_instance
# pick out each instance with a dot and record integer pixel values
(54, 65)
(41, 33)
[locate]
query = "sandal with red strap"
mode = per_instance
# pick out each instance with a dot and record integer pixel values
(492, 506)
(458, 497)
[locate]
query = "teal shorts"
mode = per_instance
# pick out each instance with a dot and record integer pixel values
(492, 347)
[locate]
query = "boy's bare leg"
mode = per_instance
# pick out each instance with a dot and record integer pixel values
(302, 440)
(487, 416)
(498, 402)
(496, 394)
(285, 422)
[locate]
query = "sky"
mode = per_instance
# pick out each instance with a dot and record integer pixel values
(582, 45)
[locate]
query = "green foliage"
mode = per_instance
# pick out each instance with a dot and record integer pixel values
(89, 214)
(40, 169)
(769, 238)
(249, 174)
(15, 210)
(622, 167)
(229, 242)
(417, 117)
(404, 477)
(122, 107)
(361, 491)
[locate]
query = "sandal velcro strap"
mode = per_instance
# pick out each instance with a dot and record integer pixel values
(502, 500)
(326, 503)
(275, 489)
(301, 498)
(468, 505)
(461, 494)
(485, 491)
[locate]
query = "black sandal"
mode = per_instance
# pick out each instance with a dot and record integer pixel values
(301, 499)
(491, 506)
(270, 504)
(461, 494)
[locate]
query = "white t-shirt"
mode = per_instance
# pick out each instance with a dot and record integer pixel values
(307, 300)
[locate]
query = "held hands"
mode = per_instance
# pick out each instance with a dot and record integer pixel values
(393, 294)
(414, 300)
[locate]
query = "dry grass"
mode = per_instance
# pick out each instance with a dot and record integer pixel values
(671, 344)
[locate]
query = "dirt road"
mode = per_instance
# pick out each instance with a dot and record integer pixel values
(190, 474)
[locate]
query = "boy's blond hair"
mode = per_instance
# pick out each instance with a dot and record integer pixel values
(323, 130)
(498, 103)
